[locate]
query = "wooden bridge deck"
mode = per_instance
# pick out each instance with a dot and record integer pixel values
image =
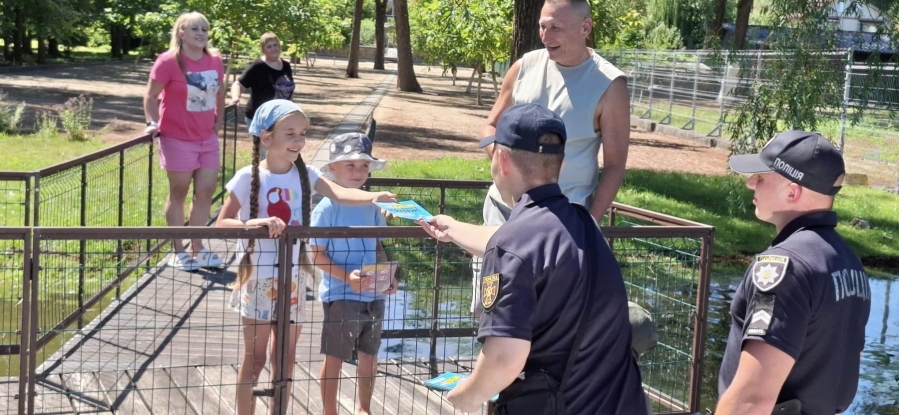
(171, 345)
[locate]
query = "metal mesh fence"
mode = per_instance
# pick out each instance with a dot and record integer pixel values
(172, 343)
(690, 92)
(662, 275)
(12, 274)
(119, 186)
(14, 198)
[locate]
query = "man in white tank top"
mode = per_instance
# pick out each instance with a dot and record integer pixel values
(590, 95)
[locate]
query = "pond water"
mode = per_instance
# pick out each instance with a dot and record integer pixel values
(878, 389)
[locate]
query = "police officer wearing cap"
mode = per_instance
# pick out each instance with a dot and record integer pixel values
(799, 315)
(554, 306)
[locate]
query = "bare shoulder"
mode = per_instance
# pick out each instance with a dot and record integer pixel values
(615, 102)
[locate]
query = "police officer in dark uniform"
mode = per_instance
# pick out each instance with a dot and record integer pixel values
(543, 269)
(799, 315)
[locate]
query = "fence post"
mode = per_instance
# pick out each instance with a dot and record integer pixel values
(690, 125)
(37, 199)
(634, 83)
(31, 329)
(280, 362)
(652, 76)
(26, 337)
(758, 70)
(847, 96)
(82, 246)
(667, 119)
(435, 307)
(149, 197)
(121, 220)
(27, 207)
(702, 304)
(719, 126)
(224, 151)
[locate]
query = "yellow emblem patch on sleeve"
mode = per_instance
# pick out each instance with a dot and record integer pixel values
(490, 285)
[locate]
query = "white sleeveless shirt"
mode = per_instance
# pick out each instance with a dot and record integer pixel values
(572, 92)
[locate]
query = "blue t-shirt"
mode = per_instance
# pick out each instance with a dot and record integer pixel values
(349, 253)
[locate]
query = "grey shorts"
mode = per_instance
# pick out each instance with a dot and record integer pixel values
(352, 325)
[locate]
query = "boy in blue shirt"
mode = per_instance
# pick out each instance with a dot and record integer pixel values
(352, 311)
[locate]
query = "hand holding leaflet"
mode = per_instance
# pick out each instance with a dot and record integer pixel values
(407, 209)
(447, 382)
(382, 276)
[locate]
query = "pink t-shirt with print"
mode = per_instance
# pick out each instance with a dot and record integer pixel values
(187, 111)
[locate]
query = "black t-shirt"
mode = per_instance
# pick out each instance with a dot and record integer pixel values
(266, 84)
(808, 296)
(535, 277)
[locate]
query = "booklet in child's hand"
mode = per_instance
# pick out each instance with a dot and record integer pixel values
(447, 382)
(382, 275)
(406, 209)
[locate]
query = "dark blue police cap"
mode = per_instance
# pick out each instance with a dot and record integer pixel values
(808, 159)
(522, 125)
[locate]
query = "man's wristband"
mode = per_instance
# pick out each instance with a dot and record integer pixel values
(152, 124)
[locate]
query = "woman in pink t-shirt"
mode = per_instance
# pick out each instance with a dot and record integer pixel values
(185, 106)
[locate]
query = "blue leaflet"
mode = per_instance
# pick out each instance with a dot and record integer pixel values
(448, 382)
(406, 209)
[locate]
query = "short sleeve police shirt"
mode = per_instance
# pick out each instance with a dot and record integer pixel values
(808, 296)
(533, 289)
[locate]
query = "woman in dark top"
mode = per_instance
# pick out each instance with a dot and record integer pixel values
(268, 77)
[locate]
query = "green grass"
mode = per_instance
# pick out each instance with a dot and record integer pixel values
(704, 199)
(31, 152)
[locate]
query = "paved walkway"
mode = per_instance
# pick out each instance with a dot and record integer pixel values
(356, 120)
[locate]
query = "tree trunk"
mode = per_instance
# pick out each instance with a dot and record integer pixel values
(18, 51)
(7, 50)
(352, 66)
(115, 40)
(26, 43)
(53, 47)
(41, 50)
(744, 8)
(716, 26)
(526, 27)
(405, 78)
(380, 41)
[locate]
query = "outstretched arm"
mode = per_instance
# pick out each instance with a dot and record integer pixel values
(471, 238)
(355, 197)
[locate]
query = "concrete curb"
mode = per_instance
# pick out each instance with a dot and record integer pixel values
(653, 126)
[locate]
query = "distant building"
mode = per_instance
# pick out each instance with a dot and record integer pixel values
(857, 28)
(848, 17)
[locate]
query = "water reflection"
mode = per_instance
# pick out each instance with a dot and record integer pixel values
(878, 390)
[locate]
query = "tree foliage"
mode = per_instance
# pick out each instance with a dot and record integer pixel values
(449, 33)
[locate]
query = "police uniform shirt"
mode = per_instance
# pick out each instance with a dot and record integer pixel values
(808, 296)
(533, 289)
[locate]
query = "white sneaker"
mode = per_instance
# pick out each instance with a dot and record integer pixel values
(208, 259)
(183, 261)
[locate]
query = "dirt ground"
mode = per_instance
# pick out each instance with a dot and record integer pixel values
(443, 120)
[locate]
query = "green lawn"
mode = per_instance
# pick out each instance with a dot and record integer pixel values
(32, 152)
(704, 199)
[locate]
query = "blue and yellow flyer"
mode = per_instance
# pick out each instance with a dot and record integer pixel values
(406, 209)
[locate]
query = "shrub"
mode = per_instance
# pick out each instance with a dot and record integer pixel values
(10, 114)
(663, 37)
(76, 117)
(46, 125)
